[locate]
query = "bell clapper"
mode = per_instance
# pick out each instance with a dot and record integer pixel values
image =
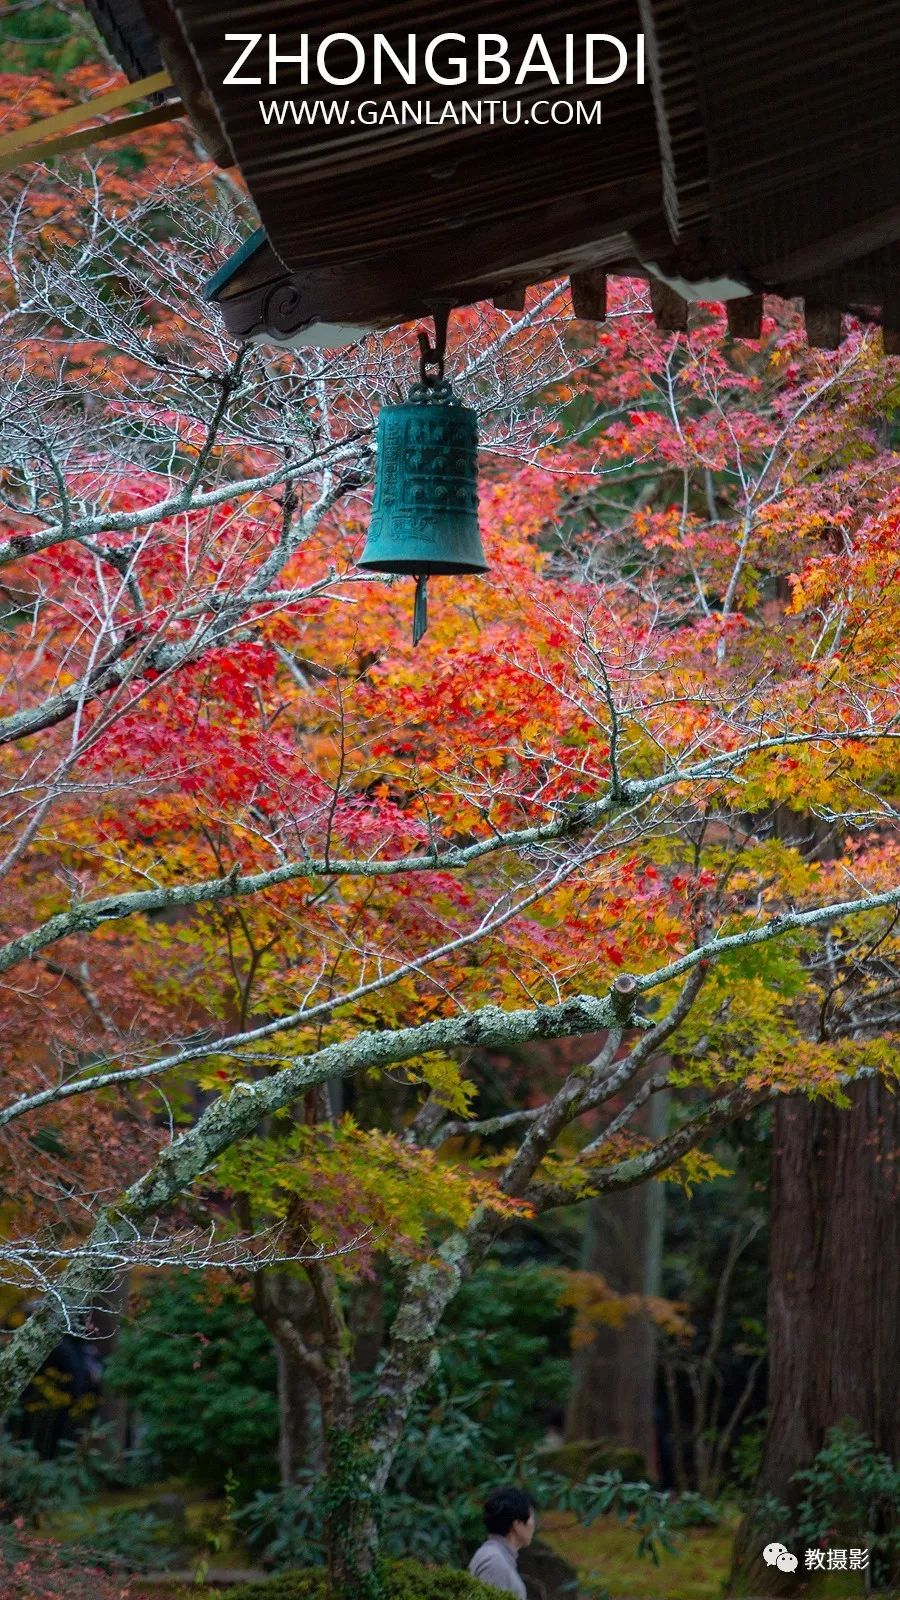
(430, 355)
(420, 608)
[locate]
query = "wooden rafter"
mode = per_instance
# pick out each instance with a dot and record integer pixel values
(51, 135)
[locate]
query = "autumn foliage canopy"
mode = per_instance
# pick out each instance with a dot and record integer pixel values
(244, 820)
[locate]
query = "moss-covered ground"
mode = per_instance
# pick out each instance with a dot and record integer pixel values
(605, 1556)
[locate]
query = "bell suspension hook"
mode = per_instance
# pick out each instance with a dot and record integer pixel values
(432, 355)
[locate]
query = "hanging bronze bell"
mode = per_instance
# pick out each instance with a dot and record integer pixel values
(425, 512)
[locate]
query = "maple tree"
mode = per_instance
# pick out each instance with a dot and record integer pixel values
(255, 846)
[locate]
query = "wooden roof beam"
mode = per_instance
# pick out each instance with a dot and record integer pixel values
(589, 295)
(823, 325)
(670, 309)
(836, 249)
(198, 102)
(745, 316)
(511, 299)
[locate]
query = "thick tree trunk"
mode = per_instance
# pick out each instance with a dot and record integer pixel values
(614, 1377)
(113, 1411)
(834, 1296)
(299, 1429)
(306, 1320)
(351, 1532)
(285, 1304)
(834, 1289)
(367, 1324)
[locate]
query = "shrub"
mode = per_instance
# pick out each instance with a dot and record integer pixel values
(851, 1494)
(285, 1528)
(29, 1485)
(200, 1368)
(505, 1355)
(849, 1497)
(583, 1458)
(132, 1540)
(403, 1580)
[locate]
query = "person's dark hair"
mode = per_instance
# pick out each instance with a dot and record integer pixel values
(505, 1506)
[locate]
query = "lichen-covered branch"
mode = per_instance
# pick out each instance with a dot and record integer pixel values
(92, 914)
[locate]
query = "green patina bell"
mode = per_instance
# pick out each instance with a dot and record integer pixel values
(425, 511)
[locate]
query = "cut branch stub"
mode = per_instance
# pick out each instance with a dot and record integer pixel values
(623, 995)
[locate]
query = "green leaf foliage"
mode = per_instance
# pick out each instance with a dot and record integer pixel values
(200, 1367)
(507, 1331)
(851, 1494)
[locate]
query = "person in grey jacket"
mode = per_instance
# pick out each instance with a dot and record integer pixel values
(509, 1519)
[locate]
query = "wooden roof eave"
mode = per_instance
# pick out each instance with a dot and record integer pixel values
(259, 298)
(766, 158)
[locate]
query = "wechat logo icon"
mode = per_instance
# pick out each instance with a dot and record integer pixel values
(778, 1555)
